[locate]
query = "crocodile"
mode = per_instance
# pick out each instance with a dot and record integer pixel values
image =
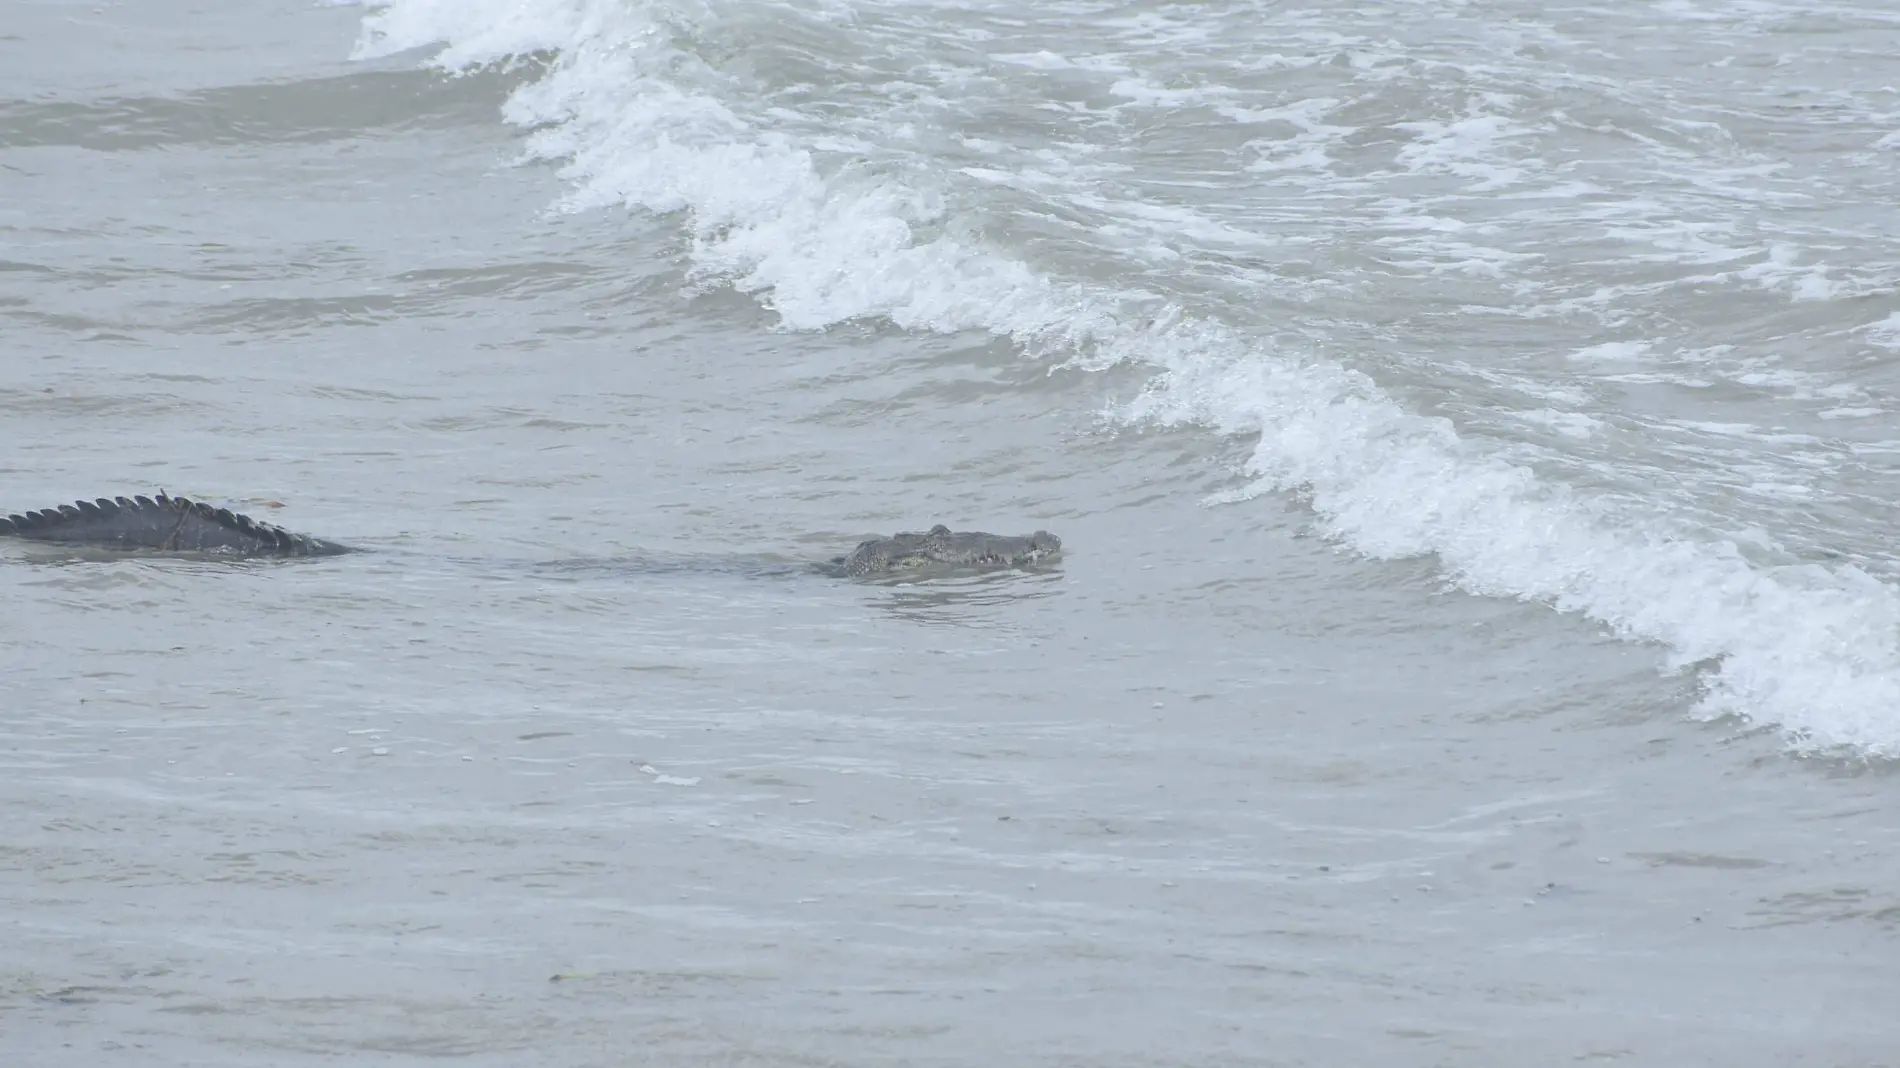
(179, 524)
(942, 547)
(166, 524)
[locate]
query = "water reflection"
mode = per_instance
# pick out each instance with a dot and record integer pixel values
(962, 601)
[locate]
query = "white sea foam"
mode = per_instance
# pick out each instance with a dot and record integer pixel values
(1467, 148)
(637, 120)
(1886, 332)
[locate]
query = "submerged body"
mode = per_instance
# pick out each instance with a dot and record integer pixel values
(177, 524)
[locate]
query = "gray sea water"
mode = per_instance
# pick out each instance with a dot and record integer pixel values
(1470, 425)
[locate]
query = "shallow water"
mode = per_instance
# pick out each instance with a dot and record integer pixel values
(1276, 768)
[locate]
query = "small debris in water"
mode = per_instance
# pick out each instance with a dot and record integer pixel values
(341, 749)
(665, 780)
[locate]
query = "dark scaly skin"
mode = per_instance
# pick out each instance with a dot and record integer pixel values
(164, 523)
(177, 524)
(942, 547)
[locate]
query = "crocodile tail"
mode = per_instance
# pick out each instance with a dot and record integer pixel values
(273, 539)
(163, 522)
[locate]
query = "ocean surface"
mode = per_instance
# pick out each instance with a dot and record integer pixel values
(1473, 425)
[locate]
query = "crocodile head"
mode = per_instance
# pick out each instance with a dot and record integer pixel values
(942, 547)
